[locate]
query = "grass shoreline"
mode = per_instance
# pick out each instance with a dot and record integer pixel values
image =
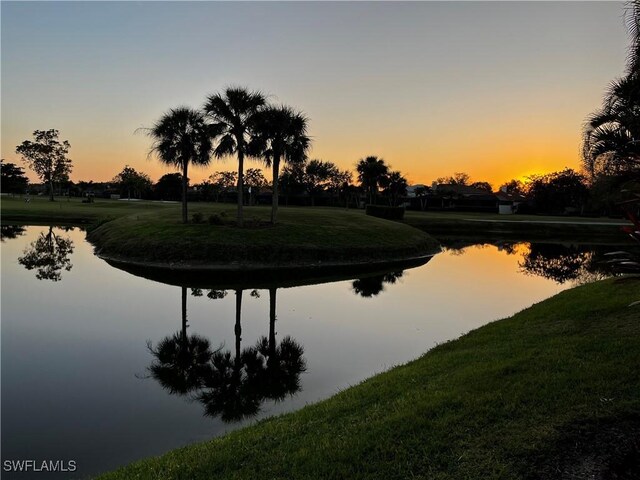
(553, 390)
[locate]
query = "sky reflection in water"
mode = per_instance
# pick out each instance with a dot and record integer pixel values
(77, 353)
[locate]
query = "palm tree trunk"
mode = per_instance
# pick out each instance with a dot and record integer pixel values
(184, 314)
(185, 218)
(274, 201)
(238, 327)
(272, 322)
(240, 184)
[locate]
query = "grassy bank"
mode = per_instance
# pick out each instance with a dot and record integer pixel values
(492, 226)
(553, 390)
(301, 235)
(71, 210)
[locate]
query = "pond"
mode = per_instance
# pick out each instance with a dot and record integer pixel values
(102, 367)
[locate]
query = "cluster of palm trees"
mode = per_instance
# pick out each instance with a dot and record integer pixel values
(229, 385)
(374, 173)
(236, 122)
(611, 143)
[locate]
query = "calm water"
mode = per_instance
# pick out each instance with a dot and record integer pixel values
(86, 375)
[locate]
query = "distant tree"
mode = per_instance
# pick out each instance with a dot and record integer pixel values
(371, 170)
(394, 187)
(12, 178)
(421, 193)
(128, 180)
(255, 180)
(222, 182)
(47, 157)
(514, 187)
(558, 192)
(233, 114)
(182, 137)
(486, 186)
(292, 180)
(169, 187)
(317, 177)
(339, 185)
(49, 255)
(458, 178)
(280, 135)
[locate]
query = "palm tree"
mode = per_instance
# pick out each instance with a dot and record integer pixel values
(611, 137)
(280, 134)
(395, 186)
(232, 113)
(181, 361)
(283, 363)
(180, 137)
(370, 171)
(612, 134)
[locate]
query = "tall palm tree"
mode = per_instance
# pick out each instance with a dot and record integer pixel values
(282, 364)
(232, 113)
(180, 137)
(280, 134)
(611, 137)
(370, 171)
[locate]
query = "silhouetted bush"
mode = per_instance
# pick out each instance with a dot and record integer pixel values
(384, 211)
(197, 217)
(215, 219)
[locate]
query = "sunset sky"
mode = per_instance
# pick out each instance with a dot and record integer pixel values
(498, 90)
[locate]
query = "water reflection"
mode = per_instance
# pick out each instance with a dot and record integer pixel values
(229, 385)
(8, 232)
(49, 255)
(368, 287)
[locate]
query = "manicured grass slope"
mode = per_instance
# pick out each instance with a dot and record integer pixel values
(555, 388)
(301, 234)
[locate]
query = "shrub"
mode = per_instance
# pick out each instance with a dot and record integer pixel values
(197, 218)
(384, 211)
(215, 219)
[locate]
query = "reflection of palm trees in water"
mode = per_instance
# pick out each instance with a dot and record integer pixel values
(231, 386)
(180, 360)
(49, 255)
(368, 287)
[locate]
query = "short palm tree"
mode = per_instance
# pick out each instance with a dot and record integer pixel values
(280, 133)
(232, 113)
(371, 170)
(180, 137)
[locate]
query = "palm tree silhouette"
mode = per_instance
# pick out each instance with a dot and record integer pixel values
(230, 387)
(283, 364)
(49, 255)
(280, 134)
(180, 137)
(181, 360)
(232, 113)
(611, 136)
(371, 170)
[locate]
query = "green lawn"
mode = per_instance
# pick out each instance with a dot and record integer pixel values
(301, 235)
(554, 389)
(72, 210)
